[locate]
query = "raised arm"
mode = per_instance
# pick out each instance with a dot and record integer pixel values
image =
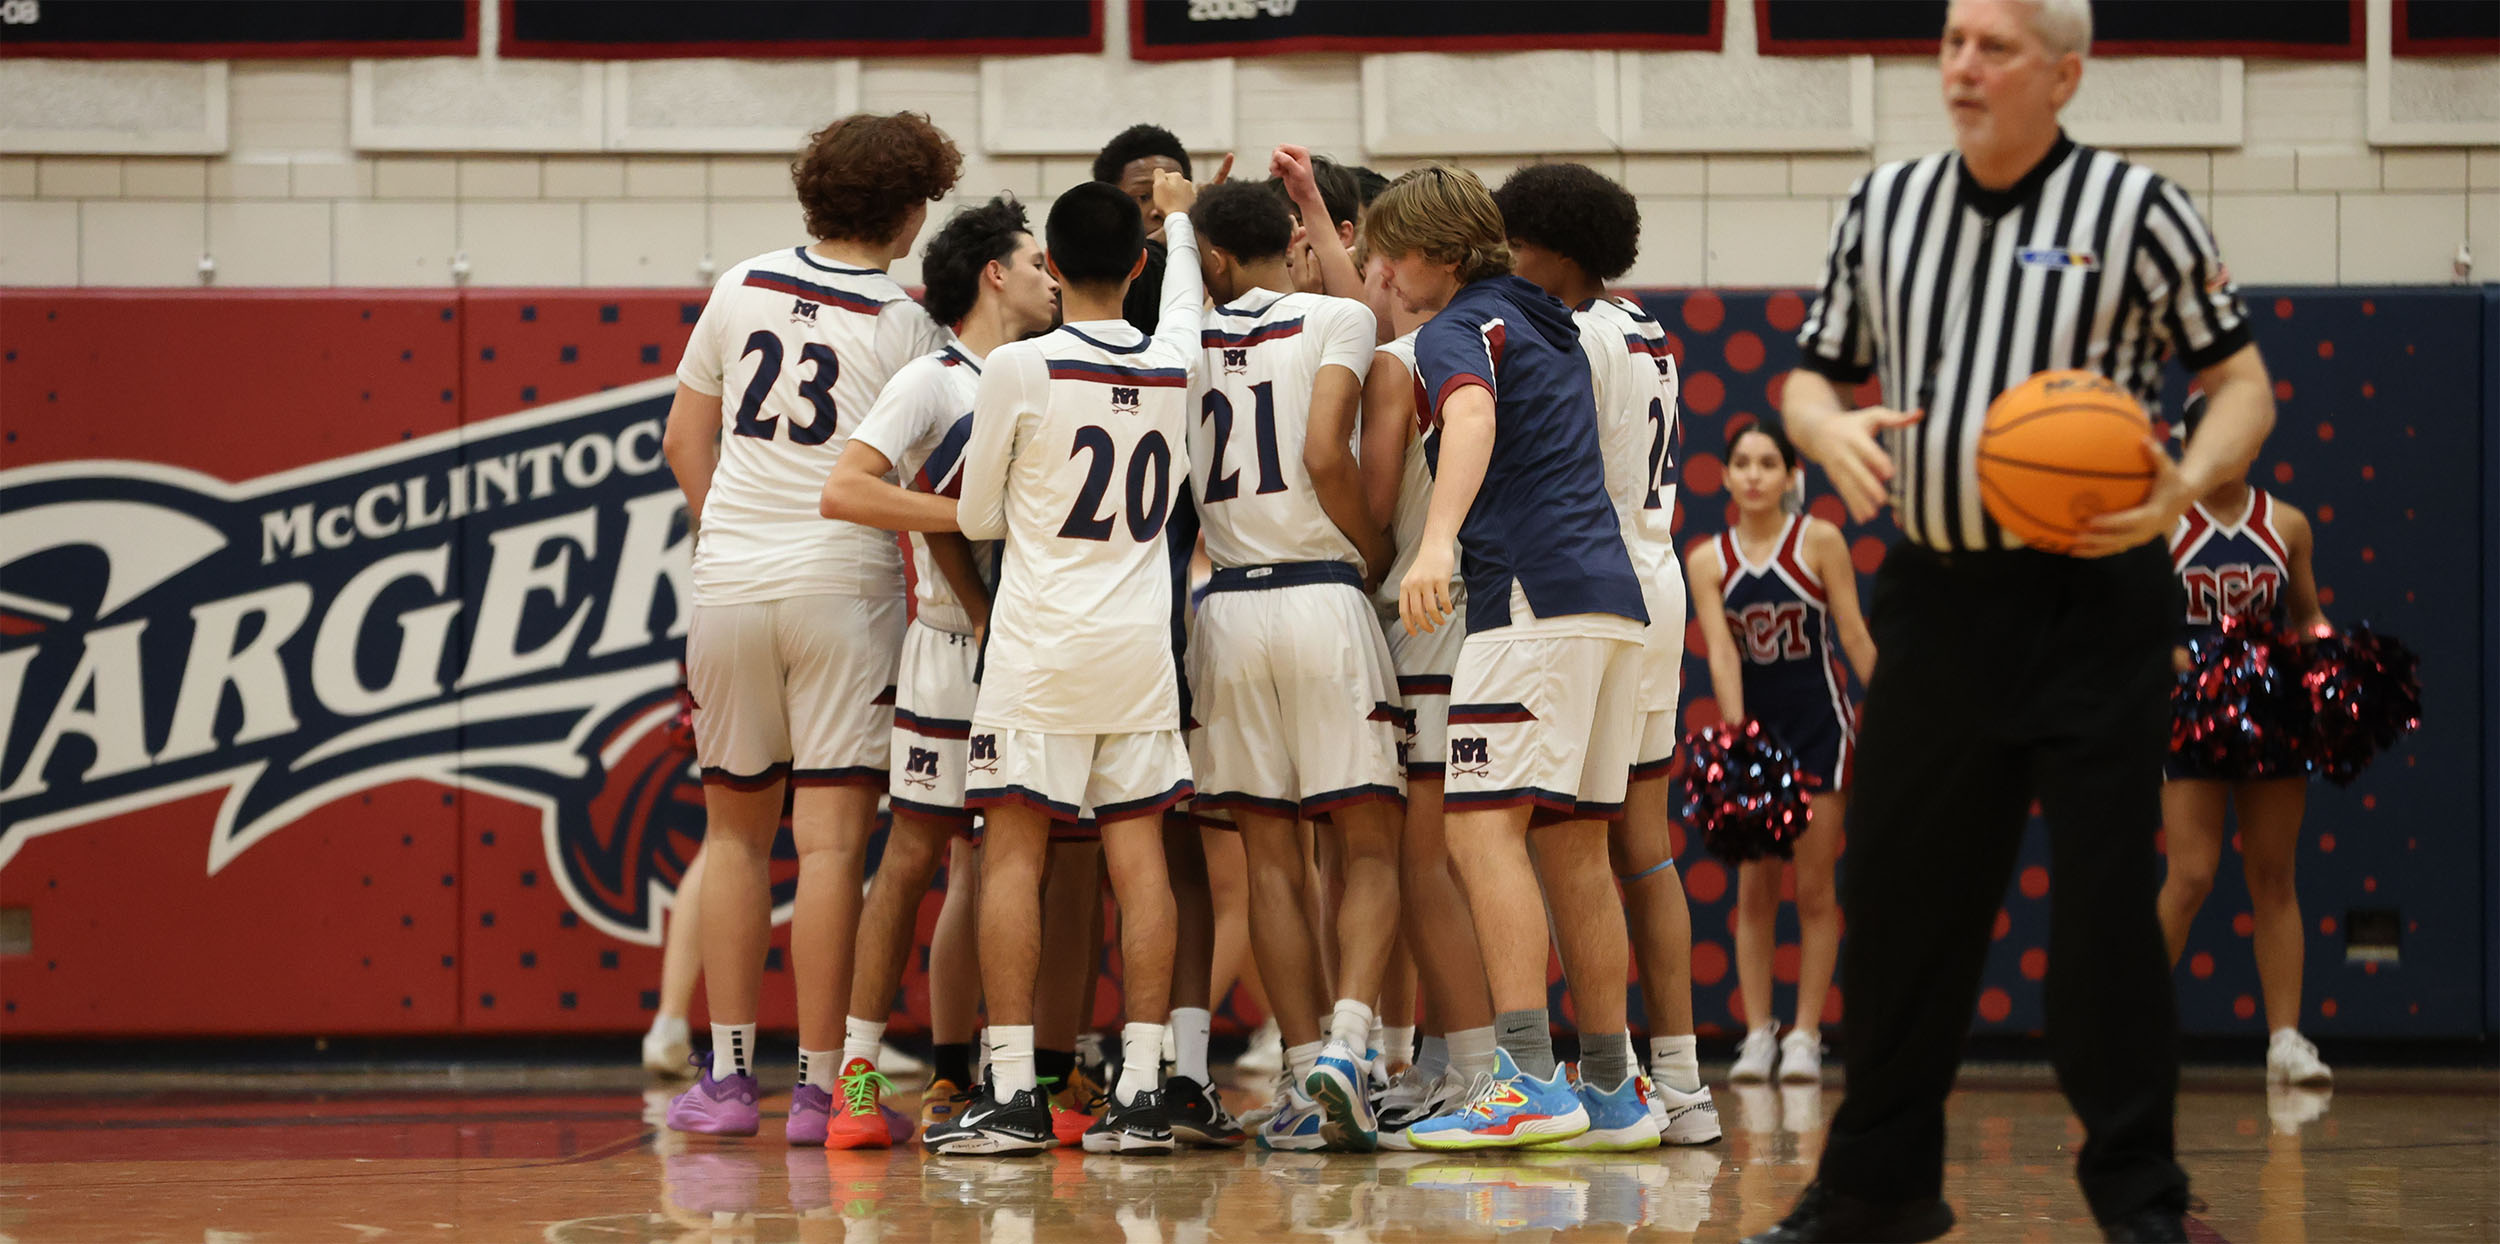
(1337, 275)
(1184, 285)
(1827, 554)
(1702, 574)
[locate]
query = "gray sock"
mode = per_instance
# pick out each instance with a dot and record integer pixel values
(1530, 1039)
(1606, 1059)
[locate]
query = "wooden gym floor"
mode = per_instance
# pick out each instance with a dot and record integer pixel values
(570, 1156)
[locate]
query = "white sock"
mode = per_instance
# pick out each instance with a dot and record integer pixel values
(1377, 1040)
(1675, 1062)
(1189, 1042)
(1351, 1025)
(1471, 1051)
(1298, 1062)
(733, 1050)
(1141, 1060)
(860, 1039)
(1011, 1059)
(1432, 1058)
(670, 1027)
(1398, 1046)
(817, 1067)
(2280, 1034)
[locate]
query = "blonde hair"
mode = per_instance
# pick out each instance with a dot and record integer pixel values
(1442, 212)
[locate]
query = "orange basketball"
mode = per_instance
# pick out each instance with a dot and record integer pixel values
(2058, 450)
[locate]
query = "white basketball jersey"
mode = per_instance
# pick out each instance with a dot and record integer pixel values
(797, 350)
(920, 424)
(1414, 484)
(1251, 415)
(1636, 388)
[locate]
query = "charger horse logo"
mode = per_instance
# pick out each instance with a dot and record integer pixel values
(499, 608)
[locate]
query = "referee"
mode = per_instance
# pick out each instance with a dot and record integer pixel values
(2009, 675)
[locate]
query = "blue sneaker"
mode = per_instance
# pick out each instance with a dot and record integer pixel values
(1341, 1084)
(1619, 1120)
(1508, 1110)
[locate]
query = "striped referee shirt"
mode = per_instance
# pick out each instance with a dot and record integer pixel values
(1951, 293)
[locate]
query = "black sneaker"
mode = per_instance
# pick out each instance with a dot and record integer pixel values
(1823, 1216)
(1198, 1115)
(1021, 1124)
(1136, 1126)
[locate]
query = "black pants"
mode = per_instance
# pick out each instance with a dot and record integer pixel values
(2003, 678)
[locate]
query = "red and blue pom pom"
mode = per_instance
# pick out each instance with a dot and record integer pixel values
(1745, 792)
(2260, 702)
(2364, 691)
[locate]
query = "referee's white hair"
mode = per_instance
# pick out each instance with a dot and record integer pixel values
(2064, 25)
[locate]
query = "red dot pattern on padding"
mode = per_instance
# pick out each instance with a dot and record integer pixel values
(1704, 311)
(1995, 1005)
(2200, 965)
(2035, 964)
(2035, 881)
(1744, 351)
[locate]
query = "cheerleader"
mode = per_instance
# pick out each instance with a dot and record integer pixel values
(1790, 609)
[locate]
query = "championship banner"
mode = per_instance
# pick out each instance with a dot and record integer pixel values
(2445, 28)
(2297, 29)
(764, 29)
(1202, 29)
(236, 29)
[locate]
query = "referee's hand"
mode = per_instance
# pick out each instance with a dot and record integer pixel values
(2121, 530)
(1424, 595)
(1849, 450)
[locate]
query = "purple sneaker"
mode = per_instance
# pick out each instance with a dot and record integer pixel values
(716, 1107)
(811, 1111)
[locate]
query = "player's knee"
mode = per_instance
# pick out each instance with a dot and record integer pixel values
(1816, 899)
(2270, 883)
(2191, 880)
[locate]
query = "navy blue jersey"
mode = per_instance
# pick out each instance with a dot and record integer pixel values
(1781, 617)
(1542, 519)
(2234, 569)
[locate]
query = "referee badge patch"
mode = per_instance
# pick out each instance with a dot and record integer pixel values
(2057, 257)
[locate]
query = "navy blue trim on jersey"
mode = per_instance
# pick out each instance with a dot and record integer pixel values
(931, 727)
(1152, 803)
(1216, 338)
(1517, 796)
(1099, 344)
(1320, 805)
(941, 473)
(716, 776)
(848, 775)
(959, 817)
(1488, 714)
(954, 356)
(822, 266)
(1023, 797)
(1382, 710)
(826, 294)
(1114, 373)
(1283, 574)
(1423, 684)
(1240, 312)
(885, 698)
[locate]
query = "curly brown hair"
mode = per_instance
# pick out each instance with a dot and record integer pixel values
(859, 177)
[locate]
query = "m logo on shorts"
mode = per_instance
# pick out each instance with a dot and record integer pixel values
(1123, 400)
(920, 768)
(1470, 756)
(984, 753)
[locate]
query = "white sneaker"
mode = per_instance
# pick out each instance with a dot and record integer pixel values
(895, 1064)
(1754, 1057)
(1413, 1098)
(2290, 1059)
(664, 1053)
(1266, 1052)
(1683, 1118)
(1801, 1057)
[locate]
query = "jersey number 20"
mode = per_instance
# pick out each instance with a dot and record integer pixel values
(817, 389)
(1149, 499)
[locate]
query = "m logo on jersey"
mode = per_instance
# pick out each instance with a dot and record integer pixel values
(1123, 400)
(984, 749)
(1236, 360)
(802, 312)
(1471, 756)
(920, 768)
(497, 608)
(1772, 632)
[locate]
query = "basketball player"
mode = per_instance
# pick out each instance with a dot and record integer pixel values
(1544, 704)
(1781, 606)
(1077, 448)
(797, 621)
(1291, 676)
(2010, 674)
(1397, 480)
(2243, 552)
(1571, 231)
(983, 277)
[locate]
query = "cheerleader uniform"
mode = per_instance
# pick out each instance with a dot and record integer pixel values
(1781, 618)
(2238, 568)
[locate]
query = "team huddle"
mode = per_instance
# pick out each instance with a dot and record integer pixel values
(1444, 606)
